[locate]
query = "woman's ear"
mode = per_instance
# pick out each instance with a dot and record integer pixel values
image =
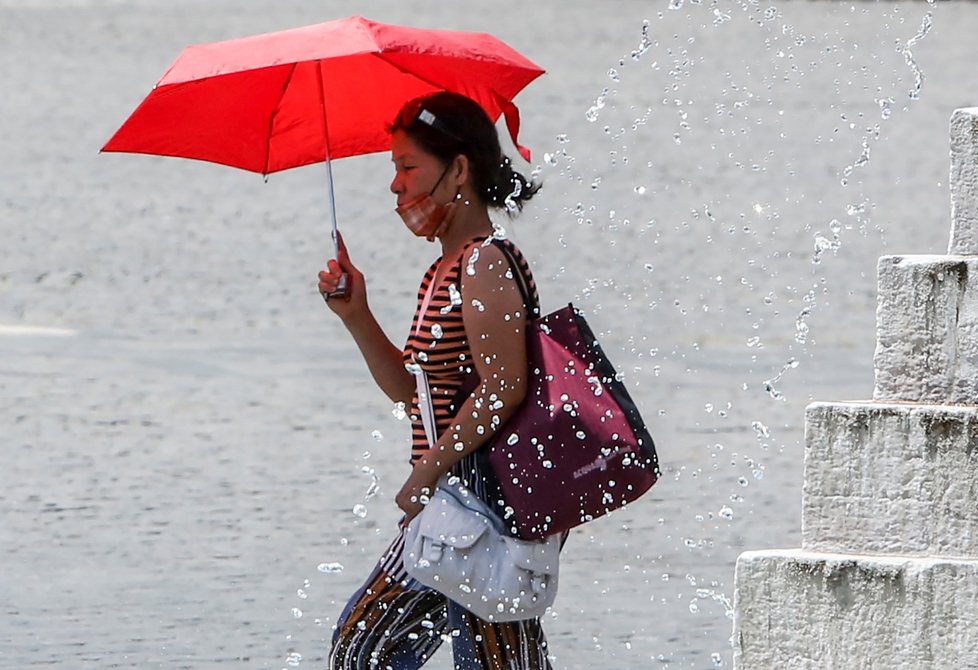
(460, 170)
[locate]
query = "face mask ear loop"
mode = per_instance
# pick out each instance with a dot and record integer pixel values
(435, 187)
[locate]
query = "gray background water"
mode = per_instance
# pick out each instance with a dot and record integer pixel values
(174, 471)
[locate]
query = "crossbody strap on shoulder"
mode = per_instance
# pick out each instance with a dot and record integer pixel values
(529, 299)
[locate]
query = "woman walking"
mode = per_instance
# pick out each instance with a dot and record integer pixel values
(471, 317)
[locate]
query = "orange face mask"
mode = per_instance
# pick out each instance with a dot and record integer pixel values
(423, 215)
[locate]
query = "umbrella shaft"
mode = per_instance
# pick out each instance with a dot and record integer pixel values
(329, 166)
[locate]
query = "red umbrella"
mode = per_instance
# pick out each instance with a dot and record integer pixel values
(271, 102)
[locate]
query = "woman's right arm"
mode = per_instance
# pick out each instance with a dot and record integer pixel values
(384, 360)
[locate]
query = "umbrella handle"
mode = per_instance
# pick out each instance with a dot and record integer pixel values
(342, 288)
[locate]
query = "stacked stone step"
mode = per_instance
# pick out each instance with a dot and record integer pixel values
(887, 576)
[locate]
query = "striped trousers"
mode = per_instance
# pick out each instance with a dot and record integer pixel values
(393, 622)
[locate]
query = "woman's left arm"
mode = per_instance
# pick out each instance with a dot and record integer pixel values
(495, 321)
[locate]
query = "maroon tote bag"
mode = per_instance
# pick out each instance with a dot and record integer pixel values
(577, 448)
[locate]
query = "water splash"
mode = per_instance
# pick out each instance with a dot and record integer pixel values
(454, 297)
(711, 594)
(473, 259)
(863, 159)
(886, 104)
(330, 568)
(592, 113)
(906, 50)
(644, 45)
(769, 383)
(823, 244)
(886, 107)
(374, 487)
(801, 321)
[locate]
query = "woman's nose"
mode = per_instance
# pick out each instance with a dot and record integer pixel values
(395, 185)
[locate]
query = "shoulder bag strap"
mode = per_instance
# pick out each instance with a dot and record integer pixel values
(532, 305)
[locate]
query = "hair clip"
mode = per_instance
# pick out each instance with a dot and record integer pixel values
(429, 119)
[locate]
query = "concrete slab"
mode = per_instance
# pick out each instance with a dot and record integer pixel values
(798, 610)
(891, 478)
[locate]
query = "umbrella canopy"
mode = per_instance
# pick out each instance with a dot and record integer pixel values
(280, 100)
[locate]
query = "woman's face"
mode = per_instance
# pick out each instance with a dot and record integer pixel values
(416, 172)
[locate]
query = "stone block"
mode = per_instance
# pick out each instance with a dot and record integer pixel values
(798, 610)
(964, 181)
(891, 479)
(927, 329)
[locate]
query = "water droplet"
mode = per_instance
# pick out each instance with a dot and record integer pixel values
(645, 44)
(716, 659)
(360, 510)
(454, 296)
(473, 259)
(330, 568)
(726, 513)
(373, 489)
(293, 659)
(613, 75)
(296, 613)
(377, 435)
(675, 4)
(592, 114)
(399, 411)
(640, 190)
(743, 481)
(436, 331)
(512, 439)
(478, 305)
(886, 107)
(563, 139)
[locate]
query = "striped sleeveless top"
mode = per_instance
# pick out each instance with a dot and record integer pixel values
(441, 346)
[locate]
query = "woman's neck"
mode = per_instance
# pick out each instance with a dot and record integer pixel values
(471, 220)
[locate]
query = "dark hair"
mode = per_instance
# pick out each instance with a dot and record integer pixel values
(447, 124)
